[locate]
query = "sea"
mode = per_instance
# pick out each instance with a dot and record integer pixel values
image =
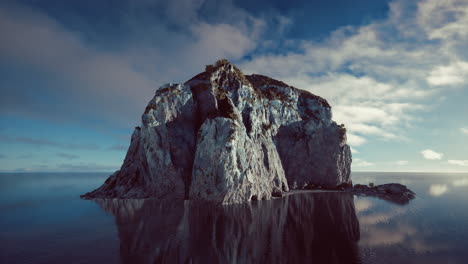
(43, 220)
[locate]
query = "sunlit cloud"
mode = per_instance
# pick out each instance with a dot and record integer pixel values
(355, 140)
(458, 162)
(361, 163)
(431, 154)
(456, 73)
(402, 162)
(437, 189)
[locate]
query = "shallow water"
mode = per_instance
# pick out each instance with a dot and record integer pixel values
(43, 220)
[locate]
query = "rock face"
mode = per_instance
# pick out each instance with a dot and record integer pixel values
(227, 137)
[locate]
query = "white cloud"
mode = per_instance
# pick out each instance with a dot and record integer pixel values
(355, 140)
(223, 40)
(464, 130)
(361, 163)
(401, 162)
(354, 151)
(431, 154)
(437, 189)
(456, 73)
(459, 162)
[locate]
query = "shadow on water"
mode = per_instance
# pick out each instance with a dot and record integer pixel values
(303, 228)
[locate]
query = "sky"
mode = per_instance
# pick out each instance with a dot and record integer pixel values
(75, 76)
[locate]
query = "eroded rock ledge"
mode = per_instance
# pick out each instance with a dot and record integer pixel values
(226, 137)
(393, 192)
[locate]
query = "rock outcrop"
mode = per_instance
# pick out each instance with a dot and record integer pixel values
(392, 192)
(227, 137)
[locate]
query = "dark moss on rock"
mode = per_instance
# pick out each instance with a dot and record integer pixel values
(266, 85)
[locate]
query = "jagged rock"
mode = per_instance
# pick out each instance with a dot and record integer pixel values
(228, 138)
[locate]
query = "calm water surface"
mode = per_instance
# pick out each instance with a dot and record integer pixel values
(43, 220)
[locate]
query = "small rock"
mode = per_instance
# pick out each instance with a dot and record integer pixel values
(393, 192)
(360, 186)
(277, 193)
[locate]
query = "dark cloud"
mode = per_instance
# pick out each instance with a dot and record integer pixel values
(66, 155)
(92, 81)
(47, 142)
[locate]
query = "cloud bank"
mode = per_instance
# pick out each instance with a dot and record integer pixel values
(380, 76)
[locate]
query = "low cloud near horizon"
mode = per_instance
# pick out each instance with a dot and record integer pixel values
(459, 162)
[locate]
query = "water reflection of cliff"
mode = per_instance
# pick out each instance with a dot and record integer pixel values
(305, 228)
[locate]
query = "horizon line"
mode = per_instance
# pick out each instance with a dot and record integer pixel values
(115, 171)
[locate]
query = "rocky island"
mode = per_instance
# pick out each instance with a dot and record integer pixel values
(226, 137)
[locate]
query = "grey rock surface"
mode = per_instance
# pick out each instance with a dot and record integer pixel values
(225, 137)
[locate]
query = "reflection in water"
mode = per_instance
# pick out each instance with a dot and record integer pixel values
(460, 182)
(437, 189)
(304, 228)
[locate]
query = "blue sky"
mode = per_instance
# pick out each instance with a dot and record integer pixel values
(75, 76)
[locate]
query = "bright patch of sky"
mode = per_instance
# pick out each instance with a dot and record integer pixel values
(76, 76)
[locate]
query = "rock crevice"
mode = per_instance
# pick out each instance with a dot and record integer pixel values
(226, 137)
